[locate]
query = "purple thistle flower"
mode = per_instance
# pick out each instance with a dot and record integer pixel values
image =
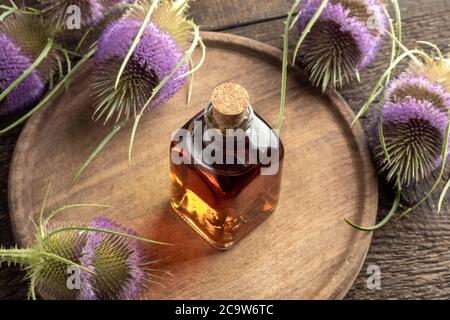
(156, 55)
(413, 132)
(118, 264)
(419, 88)
(346, 38)
(13, 62)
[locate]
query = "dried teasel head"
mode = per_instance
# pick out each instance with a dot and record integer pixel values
(154, 58)
(414, 131)
(344, 40)
(118, 264)
(169, 15)
(435, 70)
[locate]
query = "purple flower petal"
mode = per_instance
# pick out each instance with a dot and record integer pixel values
(157, 52)
(136, 276)
(12, 64)
(405, 81)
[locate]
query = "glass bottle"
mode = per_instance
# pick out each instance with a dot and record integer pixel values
(225, 168)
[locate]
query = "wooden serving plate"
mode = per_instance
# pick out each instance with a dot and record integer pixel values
(304, 250)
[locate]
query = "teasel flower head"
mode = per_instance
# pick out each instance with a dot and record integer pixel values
(13, 62)
(117, 264)
(23, 37)
(157, 54)
(169, 15)
(421, 89)
(414, 131)
(344, 40)
(108, 258)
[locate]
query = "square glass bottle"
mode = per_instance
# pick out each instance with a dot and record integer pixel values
(225, 168)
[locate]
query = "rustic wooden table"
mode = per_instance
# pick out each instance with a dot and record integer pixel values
(413, 254)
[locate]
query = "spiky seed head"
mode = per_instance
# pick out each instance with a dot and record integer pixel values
(31, 34)
(51, 274)
(117, 263)
(421, 89)
(170, 16)
(156, 55)
(437, 71)
(344, 40)
(13, 62)
(414, 133)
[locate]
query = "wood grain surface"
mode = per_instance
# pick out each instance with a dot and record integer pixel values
(327, 176)
(414, 253)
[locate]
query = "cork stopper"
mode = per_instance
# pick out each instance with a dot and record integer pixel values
(229, 105)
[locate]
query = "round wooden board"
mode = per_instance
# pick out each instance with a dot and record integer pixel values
(305, 250)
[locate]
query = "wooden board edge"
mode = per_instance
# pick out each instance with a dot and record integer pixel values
(213, 38)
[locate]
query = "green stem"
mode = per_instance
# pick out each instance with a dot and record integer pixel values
(63, 260)
(394, 54)
(200, 63)
(442, 195)
(191, 83)
(28, 71)
(284, 65)
(83, 38)
(110, 232)
(386, 219)
(308, 28)
(98, 149)
(71, 206)
(16, 256)
(41, 213)
(435, 47)
(32, 290)
(398, 17)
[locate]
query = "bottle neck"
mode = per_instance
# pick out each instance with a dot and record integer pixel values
(244, 124)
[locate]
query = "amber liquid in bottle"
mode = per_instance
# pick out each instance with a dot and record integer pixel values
(224, 200)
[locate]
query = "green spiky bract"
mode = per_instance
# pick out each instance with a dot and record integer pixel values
(413, 148)
(128, 97)
(111, 264)
(51, 274)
